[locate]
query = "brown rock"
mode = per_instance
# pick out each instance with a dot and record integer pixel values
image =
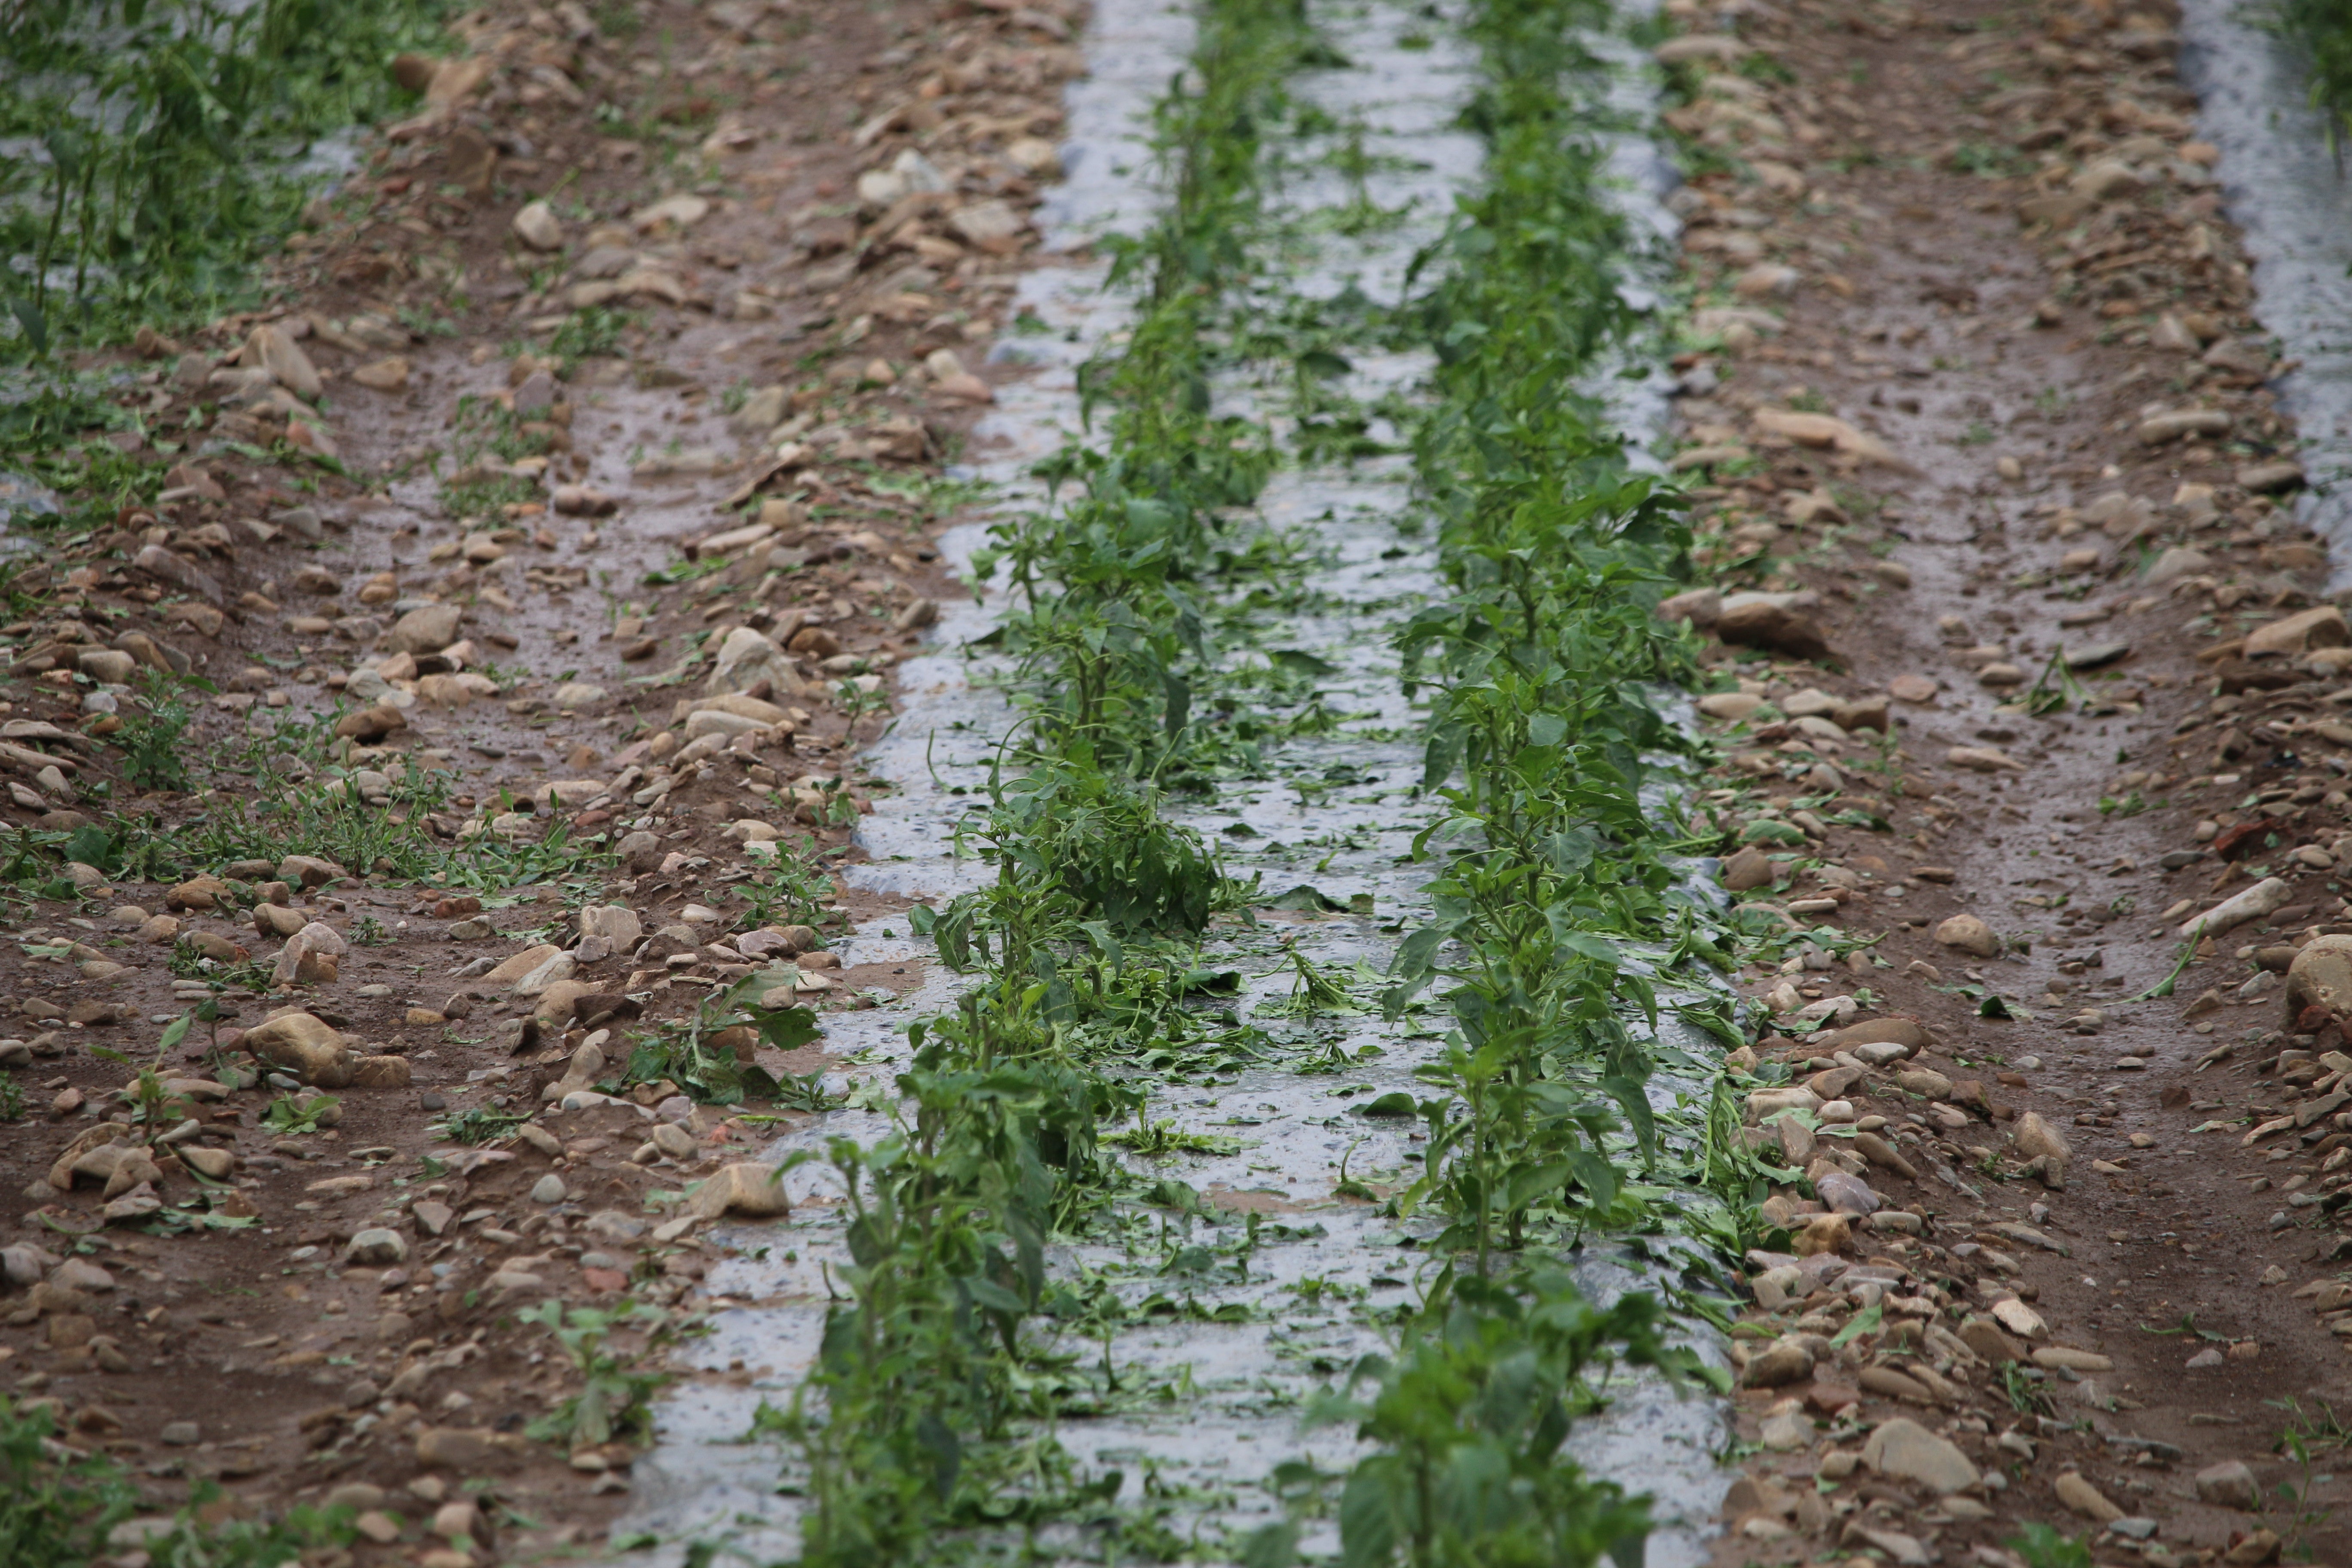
(2298, 633)
(744, 1188)
(307, 1047)
(1899, 1031)
(1824, 1233)
(2034, 1138)
(1749, 868)
(1913, 688)
(2228, 1486)
(1987, 1338)
(1968, 934)
(2320, 977)
(381, 1072)
(1892, 1384)
(2085, 1499)
(1789, 633)
(1778, 1366)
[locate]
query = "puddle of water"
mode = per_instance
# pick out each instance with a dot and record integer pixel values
(1336, 813)
(2283, 188)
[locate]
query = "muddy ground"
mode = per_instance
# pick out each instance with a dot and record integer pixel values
(2015, 413)
(635, 249)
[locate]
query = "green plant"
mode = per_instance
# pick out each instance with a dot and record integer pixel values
(2041, 1547)
(152, 724)
(592, 334)
(613, 1399)
(60, 1505)
(478, 1125)
(684, 1054)
(291, 1115)
(793, 890)
(12, 1097)
(1470, 1416)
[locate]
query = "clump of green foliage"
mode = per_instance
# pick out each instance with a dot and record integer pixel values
(60, 1505)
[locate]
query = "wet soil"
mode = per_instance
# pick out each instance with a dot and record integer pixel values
(2001, 317)
(703, 165)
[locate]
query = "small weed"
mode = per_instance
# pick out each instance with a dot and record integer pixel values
(292, 1115)
(613, 1401)
(152, 724)
(12, 1097)
(478, 1125)
(2039, 1546)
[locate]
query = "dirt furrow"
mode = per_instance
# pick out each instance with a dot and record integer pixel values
(1979, 401)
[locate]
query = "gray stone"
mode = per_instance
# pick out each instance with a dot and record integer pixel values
(1904, 1449)
(549, 1189)
(2230, 1484)
(426, 630)
(377, 1248)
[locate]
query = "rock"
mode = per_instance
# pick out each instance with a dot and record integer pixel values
(2019, 1319)
(2085, 1499)
(1824, 1234)
(428, 628)
(537, 226)
(2104, 178)
(2230, 1484)
(2299, 633)
(674, 1140)
(311, 956)
(639, 851)
(1882, 1154)
(1774, 628)
(304, 1045)
(1983, 759)
(549, 1189)
(1778, 1366)
(1908, 1033)
(387, 374)
(212, 1165)
(2177, 561)
(2034, 1137)
(456, 1449)
(1846, 1194)
(525, 962)
(2069, 1359)
(744, 1188)
(2159, 428)
(1968, 934)
(556, 968)
(382, 1072)
(273, 349)
(157, 562)
(372, 724)
(1698, 607)
(747, 658)
(2261, 899)
(1905, 1450)
(2320, 977)
(278, 920)
(989, 225)
(196, 893)
(310, 871)
(1749, 868)
(108, 666)
(1913, 688)
(2267, 478)
(2259, 1547)
(376, 1247)
(1925, 1081)
(1729, 706)
(432, 1217)
(1987, 1339)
